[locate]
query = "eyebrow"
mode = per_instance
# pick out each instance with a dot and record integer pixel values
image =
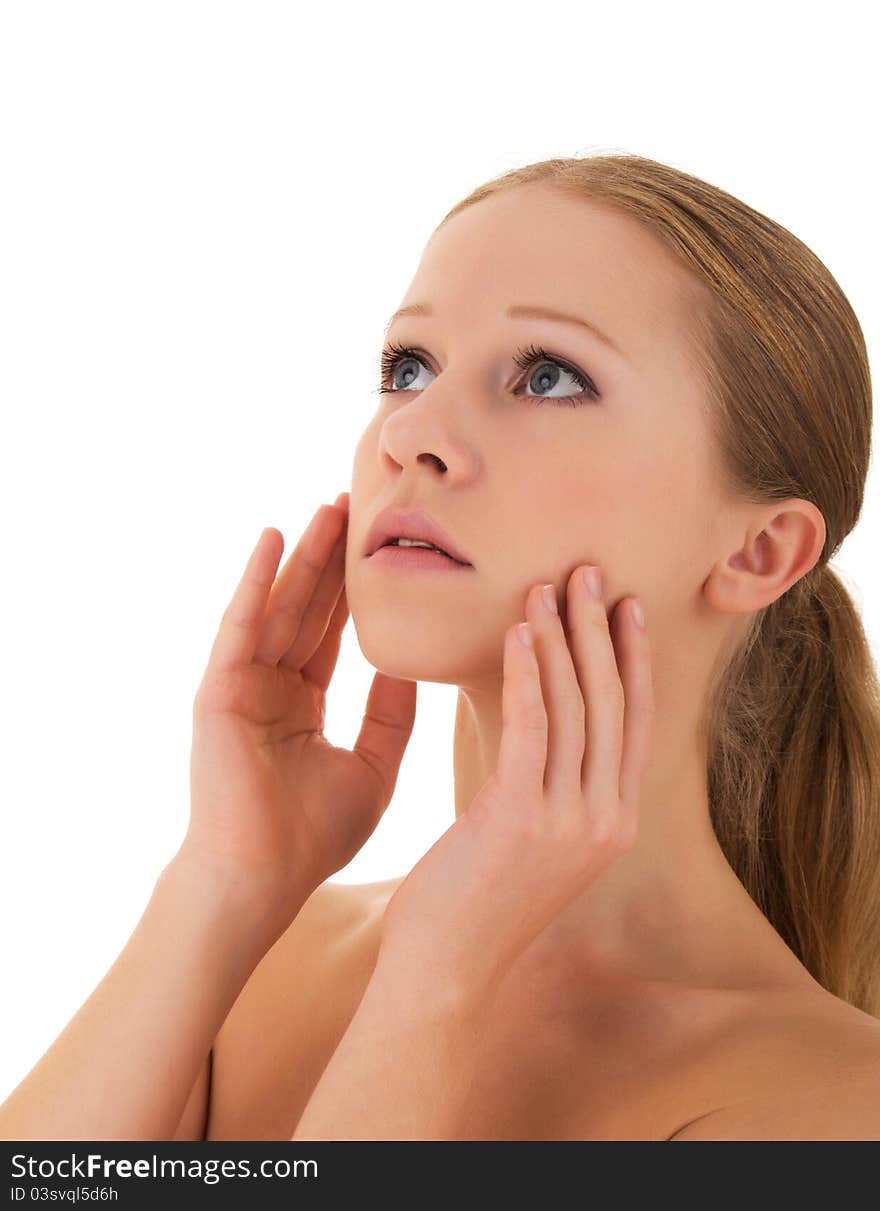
(521, 311)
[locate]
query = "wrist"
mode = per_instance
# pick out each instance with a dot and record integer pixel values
(253, 912)
(412, 995)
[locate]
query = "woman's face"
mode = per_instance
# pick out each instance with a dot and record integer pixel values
(540, 475)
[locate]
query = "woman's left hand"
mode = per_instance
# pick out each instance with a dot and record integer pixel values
(562, 804)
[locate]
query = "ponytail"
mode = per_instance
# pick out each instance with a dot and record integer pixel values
(794, 744)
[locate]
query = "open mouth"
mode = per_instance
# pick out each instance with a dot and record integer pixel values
(403, 555)
(404, 544)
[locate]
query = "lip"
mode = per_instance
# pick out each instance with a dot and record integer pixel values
(411, 523)
(415, 559)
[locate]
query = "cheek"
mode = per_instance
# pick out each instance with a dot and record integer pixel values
(625, 518)
(589, 511)
(365, 473)
(366, 443)
(658, 524)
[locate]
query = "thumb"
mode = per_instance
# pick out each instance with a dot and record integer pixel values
(386, 727)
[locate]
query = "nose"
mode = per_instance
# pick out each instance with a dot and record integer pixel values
(435, 458)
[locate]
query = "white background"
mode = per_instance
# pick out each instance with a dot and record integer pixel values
(207, 213)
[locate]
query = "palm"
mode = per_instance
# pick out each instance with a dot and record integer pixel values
(283, 796)
(273, 800)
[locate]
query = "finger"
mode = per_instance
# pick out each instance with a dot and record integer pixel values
(293, 596)
(596, 667)
(242, 619)
(319, 609)
(385, 731)
(562, 695)
(522, 752)
(638, 720)
(320, 667)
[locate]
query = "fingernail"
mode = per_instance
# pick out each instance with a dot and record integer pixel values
(524, 634)
(313, 524)
(593, 581)
(638, 615)
(550, 598)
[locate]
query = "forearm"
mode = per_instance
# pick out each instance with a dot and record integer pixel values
(402, 1071)
(124, 1066)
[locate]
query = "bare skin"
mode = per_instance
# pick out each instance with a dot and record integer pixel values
(630, 483)
(662, 993)
(659, 995)
(563, 1061)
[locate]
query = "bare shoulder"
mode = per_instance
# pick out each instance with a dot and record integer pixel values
(332, 906)
(291, 1013)
(332, 925)
(340, 908)
(806, 1068)
(334, 914)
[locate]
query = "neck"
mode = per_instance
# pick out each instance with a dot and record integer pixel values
(671, 908)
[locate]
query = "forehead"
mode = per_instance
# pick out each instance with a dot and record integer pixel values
(536, 245)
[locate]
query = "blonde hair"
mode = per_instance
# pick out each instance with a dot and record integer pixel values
(793, 720)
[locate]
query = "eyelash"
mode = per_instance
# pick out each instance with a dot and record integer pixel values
(392, 354)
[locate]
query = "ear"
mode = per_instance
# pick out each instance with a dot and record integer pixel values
(780, 543)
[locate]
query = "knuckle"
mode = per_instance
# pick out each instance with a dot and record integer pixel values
(568, 827)
(531, 827)
(611, 693)
(534, 723)
(206, 694)
(604, 832)
(232, 619)
(597, 617)
(220, 691)
(627, 836)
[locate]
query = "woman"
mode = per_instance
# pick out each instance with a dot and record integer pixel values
(655, 914)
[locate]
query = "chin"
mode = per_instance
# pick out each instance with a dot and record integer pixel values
(407, 652)
(386, 658)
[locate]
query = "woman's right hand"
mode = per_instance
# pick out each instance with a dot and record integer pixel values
(275, 807)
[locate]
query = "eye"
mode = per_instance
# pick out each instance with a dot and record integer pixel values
(395, 357)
